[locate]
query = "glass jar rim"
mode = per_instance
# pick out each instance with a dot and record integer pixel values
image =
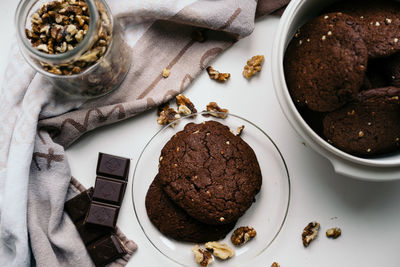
(21, 16)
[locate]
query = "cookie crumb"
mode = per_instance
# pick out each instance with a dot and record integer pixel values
(254, 65)
(334, 232)
(310, 232)
(216, 75)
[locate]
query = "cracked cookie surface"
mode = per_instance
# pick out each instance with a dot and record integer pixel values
(210, 173)
(174, 222)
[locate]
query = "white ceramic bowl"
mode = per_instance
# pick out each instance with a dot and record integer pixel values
(382, 168)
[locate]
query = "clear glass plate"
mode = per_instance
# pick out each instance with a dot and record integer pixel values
(267, 215)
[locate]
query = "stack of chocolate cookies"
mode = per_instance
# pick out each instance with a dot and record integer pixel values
(207, 179)
(342, 69)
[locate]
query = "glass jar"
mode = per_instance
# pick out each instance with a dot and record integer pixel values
(95, 66)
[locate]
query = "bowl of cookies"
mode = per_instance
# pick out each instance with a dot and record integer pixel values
(211, 187)
(336, 73)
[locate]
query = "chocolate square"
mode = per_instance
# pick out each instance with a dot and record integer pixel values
(90, 233)
(102, 215)
(78, 206)
(106, 250)
(113, 166)
(107, 190)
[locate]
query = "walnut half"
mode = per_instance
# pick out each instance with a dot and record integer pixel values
(167, 115)
(220, 250)
(202, 256)
(253, 66)
(275, 264)
(243, 234)
(310, 233)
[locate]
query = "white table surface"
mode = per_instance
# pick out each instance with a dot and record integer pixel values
(368, 213)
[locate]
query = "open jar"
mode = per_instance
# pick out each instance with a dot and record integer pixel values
(75, 44)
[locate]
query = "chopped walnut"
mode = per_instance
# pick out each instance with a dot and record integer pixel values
(239, 130)
(253, 66)
(166, 72)
(222, 251)
(334, 232)
(185, 106)
(275, 264)
(167, 115)
(59, 26)
(310, 233)
(202, 256)
(216, 75)
(243, 234)
(216, 111)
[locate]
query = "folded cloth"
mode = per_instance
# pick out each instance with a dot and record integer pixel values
(37, 123)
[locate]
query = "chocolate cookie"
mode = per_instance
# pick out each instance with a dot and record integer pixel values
(325, 62)
(380, 22)
(174, 222)
(369, 126)
(210, 173)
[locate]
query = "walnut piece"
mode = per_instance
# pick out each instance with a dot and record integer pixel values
(202, 256)
(166, 72)
(216, 75)
(334, 232)
(239, 130)
(253, 66)
(243, 234)
(216, 111)
(167, 115)
(275, 264)
(220, 250)
(310, 233)
(185, 106)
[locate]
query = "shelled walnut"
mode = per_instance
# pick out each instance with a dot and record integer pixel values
(239, 130)
(59, 26)
(216, 75)
(167, 115)
(253, 66)
(220, 250)
(243, 234)
(185, 106)
(310, 232)
(202, 256)
(275, 264)
(216, 111)
(334, 232)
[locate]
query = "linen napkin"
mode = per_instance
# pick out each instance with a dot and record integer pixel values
(38, 123)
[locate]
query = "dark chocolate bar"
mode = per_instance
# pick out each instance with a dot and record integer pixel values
(106, 250)
(78, 206)
(102, 214)
(109, 190)
(113, 166)
(103, 246)
(91, 233)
